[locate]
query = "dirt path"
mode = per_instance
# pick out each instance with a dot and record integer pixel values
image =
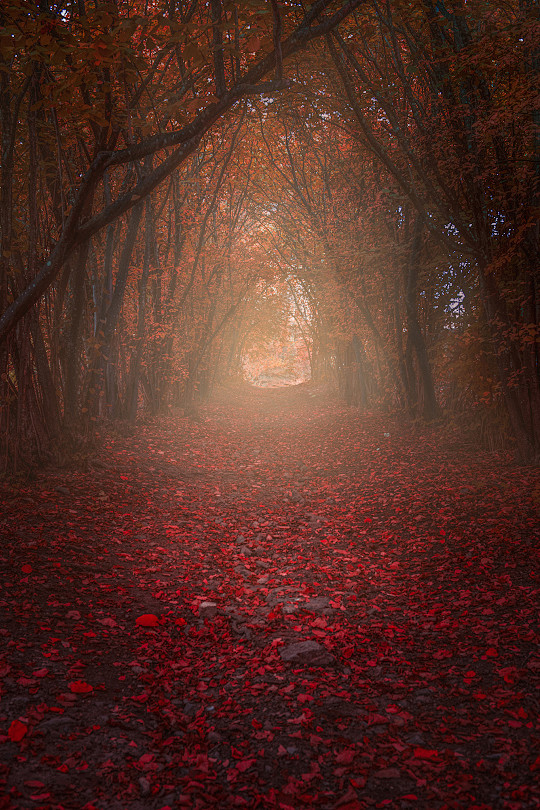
(345, 610)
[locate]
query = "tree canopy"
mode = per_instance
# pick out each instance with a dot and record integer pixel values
(184, 184)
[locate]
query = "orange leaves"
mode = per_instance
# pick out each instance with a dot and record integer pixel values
(253, 44)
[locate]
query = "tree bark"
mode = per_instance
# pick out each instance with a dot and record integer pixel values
(414, 332)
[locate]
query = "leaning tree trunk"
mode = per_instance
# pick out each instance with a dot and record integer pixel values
(113, 313)
(74, 341)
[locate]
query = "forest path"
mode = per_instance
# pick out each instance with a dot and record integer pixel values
(345, 611)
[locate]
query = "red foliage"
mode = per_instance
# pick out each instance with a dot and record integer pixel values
(404, 564)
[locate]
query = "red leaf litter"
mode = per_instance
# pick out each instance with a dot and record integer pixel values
(346, 619)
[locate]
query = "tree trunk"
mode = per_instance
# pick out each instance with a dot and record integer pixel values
(73, 345)
(136, 357)
(51, 408)
(414, 332)
(108, 354)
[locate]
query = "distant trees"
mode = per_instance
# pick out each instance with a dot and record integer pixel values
(445, 96)
(434, 212)
(162, 169)
(99, 107)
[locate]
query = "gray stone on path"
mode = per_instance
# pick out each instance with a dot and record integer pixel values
(245, 551)
(308, 653)
(241, 570)
(318, 604)
(57, 722)
(208, 610)
(144, 784)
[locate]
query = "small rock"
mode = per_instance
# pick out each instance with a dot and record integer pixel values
(415, 739)
(240, 629)
(306, 652)
(274, 596)
(387, 773)
(208, 610)
(241, 570)
(240, 539)
(263, 564)
(56, 722)
(246, 551)
(144, 785)
(318, 604)
(62, 490)
(337, 707)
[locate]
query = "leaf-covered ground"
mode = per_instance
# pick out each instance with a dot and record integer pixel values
(281, 605)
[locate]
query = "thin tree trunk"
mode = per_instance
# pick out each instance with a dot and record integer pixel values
(113, 313)
(51, 406)
(414, 332)
(136, 357)
(74, 341)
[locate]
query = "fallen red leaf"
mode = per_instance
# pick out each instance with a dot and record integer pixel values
(80, 687)
(17, 731)
(425, 753)
(346, 756)
(244, 764)
(147, 620)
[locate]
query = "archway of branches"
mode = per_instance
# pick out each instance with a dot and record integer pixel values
(276, 345)
(348, 192)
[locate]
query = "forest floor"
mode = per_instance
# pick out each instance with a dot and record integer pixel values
(283, 604)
